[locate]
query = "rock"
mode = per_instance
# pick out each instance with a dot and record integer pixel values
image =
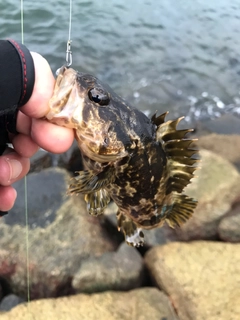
(226, 146)
(61, 235)
(201, 278)
(215, 188)
(121, 270)
(40, 160)
(141, 304)
(226, 124)
(70, 160)
(10, 301)
(229, 227)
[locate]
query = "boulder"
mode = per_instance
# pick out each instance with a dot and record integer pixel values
(141, 304)
(121, 270)
(201, 278)
(10, 301)
(229, 227)
(226, 146)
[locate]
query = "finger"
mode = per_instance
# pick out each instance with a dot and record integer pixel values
(37, 106)
(58, 139)
(24, 123)
(24, 145)
(8, 196)
(13, 167)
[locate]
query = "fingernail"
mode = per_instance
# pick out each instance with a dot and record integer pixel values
(15, 168)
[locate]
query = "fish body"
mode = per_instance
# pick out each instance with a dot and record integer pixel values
(142, 164)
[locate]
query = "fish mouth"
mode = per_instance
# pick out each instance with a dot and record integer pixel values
(66, 104)
(92, 149)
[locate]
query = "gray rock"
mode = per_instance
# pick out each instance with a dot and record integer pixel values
(201, 278)
(229, 227)
(40, 160)
(139, 304)
(10, 301)
(61, 235)
(226, 146)
(70, 160)
(121, 270)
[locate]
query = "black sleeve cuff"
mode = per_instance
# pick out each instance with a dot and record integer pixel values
(27, 74)
(17, 78)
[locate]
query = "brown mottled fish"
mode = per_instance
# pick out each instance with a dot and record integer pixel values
(142, 164)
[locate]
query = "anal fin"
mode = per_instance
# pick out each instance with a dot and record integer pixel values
(133, 235)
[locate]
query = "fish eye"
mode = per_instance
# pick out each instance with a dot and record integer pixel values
(98, 95)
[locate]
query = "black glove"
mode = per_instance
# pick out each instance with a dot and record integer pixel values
(17, 78)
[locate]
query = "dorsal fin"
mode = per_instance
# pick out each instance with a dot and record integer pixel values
(158, 120)
(180, 153)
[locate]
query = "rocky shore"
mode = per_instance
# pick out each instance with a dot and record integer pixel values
(80, 268)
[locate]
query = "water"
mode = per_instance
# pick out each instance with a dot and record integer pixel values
(159, 55)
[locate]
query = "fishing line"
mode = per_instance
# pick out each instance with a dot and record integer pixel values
(69, 62)
(21, 19)
(25, 188)
(68, 51)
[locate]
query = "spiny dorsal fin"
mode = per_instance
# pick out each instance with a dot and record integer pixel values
(179, 151)
(158, 120)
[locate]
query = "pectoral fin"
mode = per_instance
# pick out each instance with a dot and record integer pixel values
(97, 201)
(88, 181)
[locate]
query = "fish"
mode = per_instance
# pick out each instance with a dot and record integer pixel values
(143, 164)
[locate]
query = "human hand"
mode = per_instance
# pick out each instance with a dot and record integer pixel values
(34, 132)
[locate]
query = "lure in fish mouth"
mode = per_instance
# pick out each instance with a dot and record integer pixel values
(142, 164)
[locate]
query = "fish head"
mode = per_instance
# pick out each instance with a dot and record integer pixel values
(82, 102)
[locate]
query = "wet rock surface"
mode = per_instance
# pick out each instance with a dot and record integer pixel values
(201, 278)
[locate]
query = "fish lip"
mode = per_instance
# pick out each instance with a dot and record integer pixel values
(66, 104)
(93, 155)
